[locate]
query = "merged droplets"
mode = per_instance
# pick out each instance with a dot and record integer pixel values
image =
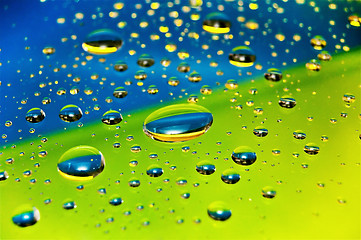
(244, 156)
(217, 23)
(112, 117)
(103, 41)
(177, 123)
(35, 115)
(81, 163)
(27, 218)
(287, 102)
(205, 168)
(70, 113)
(219, 211)
(242, 56)
(273, 74)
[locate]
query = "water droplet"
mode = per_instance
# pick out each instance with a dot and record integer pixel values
(120, 92)
(135, 148)
(230, 176)
(231, 84)
(299, 134)
(273, 74)
(69, 205)
(354, 20)
(27, 218)
(311, 149)
(324, 56)
(313, 65)
(176, 123)
(318, 42)
(205, 168)
(192, 99)
(195, 77)
(242, 56)
(268, 192)
(154, 171)
(35, 115)
(260, 132)
(112, 117)
(8, 123)
(244, 156)
(185, 195)
(103, 41)
(3, 175)
(216, 23)
(165, 62)
(116, 201)
(348, 98)
(173, 81)
(145, 60)
(70, 113)
(324, 138)
(120, 66)
(181, 181)
(140, 75)
(287, 102)
(48, 50)
(218, 211)
(81, 163)
(134, 183)
(206, 90)
(152, 89)
(183, 67)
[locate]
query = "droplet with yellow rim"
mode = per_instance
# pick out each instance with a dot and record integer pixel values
(102, 42)
(242, 56)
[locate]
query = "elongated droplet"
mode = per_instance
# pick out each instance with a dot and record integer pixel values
(27, 218)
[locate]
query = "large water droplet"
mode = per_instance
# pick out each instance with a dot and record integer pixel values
(103, 41)
(27, 218)
(230, 176)
(154, 171)
(81, 163)
(217, 23)
(242, 56)
(145, 60)
(205, 168)
(112, 117)
(35, 115)
(219, 211)
(318, 42)
(287, 102)
(273, 74)
(311, 149)
(244, 156)
(178, 123)
(70, 113)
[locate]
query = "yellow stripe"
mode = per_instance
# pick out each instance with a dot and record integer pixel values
(216, 30)
(74, 178)
(175, 137)
(98, 50)
(241, 64)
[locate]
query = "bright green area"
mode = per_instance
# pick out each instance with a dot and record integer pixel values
(300, 210)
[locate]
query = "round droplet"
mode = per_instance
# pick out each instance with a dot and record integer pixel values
(35, 115)
(173, 81)
(120, 66)
(103, 41)
(145, 60)
(287, 102)
(177, 123)
(318, 42)
(195, 77)
(313, 65)
(230, 176)
(205, 168)
(183, 67)
(115, 201)
(112, 117)
(81, 163)
(244, 156)
(273, 74)
(70, 113)
(120, 92)
(154, 171)
(299, 134)
(218, 211)
(165, 62)
(231, 84)
(260, 132)
(27, 218)
(324, 56)
(311, 149)
(216, 23)
(242, 56)
(268, 192)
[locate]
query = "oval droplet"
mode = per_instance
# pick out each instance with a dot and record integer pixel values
(268, 192)
(145, 60)
(27, 218)
(273, 74)
(205, 168)
(112, 117)
(230, 176)
(35, 115)
(154, 171)
(177, 123)
(311, 149)
(242, 56)
(216, 23)
(244, 156)
(102, 42)
(218, 211)
(81, 163)
(70, 113)
(287, 102)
